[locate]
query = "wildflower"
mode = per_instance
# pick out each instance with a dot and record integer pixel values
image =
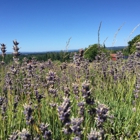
(28, 67)
(64, 115)
(101, 114)
(3, 49)
(94, 135)
(28, 114)
(85, 85)
(66, 91)
(42, 67)
(81, 109)
(16, 51)
(25, 135)
(51, 76)
(76, 138)
(75, 87)
(38, 95)
(45, 132)
(67, 130)
(63, 66)
(14, 136)
(64, 110)
(75, 126)
(1, 100)
(52, 91)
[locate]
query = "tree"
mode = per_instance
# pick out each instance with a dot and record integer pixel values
(91, 52)
(132, 44)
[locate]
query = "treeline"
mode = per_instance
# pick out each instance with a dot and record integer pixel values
(60, 56)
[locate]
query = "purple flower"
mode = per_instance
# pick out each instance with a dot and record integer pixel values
(45, 132)
(25, 135)
(28, 114)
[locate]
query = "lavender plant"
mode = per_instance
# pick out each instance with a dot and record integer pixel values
(79, 100)
(16, 51)
(3, 50)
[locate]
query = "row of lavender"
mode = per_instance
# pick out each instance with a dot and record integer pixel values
(79, 101)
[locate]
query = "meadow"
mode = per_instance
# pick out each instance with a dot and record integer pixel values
(79, 100)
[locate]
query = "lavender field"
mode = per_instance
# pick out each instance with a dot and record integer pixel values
(70, 101)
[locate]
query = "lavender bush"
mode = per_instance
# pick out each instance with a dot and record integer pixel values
(77, 100)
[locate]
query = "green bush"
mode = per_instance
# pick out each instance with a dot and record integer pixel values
(132, 44)
(93, 50)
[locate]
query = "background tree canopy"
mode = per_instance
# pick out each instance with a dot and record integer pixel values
(93, 50)
(132, 44)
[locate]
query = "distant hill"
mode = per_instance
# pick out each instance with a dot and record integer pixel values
(27, 53)
(116, 48)
(75, 50)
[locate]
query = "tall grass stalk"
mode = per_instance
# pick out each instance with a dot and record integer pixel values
(114, 40)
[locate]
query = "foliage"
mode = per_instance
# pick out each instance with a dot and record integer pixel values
(60, 56)
(126, 51)
(131, 44)
(93, 50)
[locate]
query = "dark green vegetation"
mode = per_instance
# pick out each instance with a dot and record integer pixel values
(59, 56)
(132, 45)
(93, 50)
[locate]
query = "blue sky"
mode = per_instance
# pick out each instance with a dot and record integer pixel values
(45, 25)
